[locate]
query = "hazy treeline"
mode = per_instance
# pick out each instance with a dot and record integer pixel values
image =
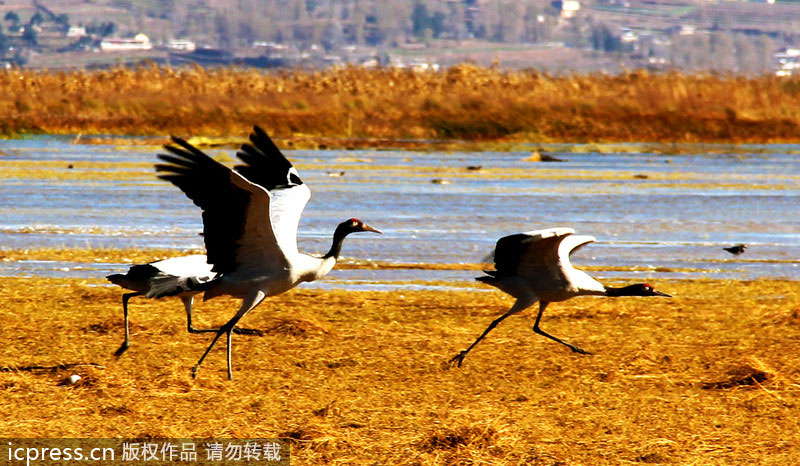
(335, 23)
(724, 51)
(364, 22)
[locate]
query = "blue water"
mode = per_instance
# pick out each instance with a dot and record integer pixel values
(667, 215)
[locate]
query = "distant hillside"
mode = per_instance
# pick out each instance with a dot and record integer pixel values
(689, 35)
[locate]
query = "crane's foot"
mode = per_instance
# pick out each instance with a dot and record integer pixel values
(122, 348)
(194, 372)
(578, 350)
(236, 330)
(458, 359)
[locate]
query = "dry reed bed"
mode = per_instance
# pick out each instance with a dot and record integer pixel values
(465, 101)
(708, 377)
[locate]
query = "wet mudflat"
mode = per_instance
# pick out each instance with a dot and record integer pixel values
(654, 213)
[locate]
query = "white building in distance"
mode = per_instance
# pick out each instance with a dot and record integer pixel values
(183, 45)
(139, 42)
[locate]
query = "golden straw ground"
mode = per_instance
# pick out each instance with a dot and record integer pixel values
(708, 377)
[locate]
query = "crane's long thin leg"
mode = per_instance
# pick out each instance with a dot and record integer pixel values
(127, 342)
(517, 307)
(251, 300)
(188, 301)
(536, 329)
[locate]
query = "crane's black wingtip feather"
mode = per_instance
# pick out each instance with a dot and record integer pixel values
(262, 141)
(166, 157)
(186, 145)
(179, 159)
(259, 137)
(176, 150)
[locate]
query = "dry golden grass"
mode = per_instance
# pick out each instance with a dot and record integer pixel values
(707, 377)
(463, 102)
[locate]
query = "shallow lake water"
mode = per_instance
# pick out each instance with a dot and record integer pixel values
(654, 214)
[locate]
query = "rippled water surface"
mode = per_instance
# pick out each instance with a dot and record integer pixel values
(653, 214)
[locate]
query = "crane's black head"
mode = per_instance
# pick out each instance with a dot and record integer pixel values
(640, 289)
(354, 225)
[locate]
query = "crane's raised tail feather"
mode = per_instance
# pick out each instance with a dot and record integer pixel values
(136, 275)
(170, 285)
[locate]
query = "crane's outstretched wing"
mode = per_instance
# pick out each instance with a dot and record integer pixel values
(572, 243)
(537, 262)
(266, 166)
(237, 226)
(533, 254)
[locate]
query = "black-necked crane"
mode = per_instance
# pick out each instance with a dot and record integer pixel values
(250, 219)
(177, 276)
(534, 266)
(737, 249)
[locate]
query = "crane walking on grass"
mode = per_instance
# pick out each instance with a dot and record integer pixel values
(534, 266)
(178, 276)
(250, 219)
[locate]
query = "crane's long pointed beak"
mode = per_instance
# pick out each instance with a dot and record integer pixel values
(369, 228)
(658, 293)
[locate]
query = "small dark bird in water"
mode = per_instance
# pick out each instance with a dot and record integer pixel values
(736, 250)
(550, 158)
